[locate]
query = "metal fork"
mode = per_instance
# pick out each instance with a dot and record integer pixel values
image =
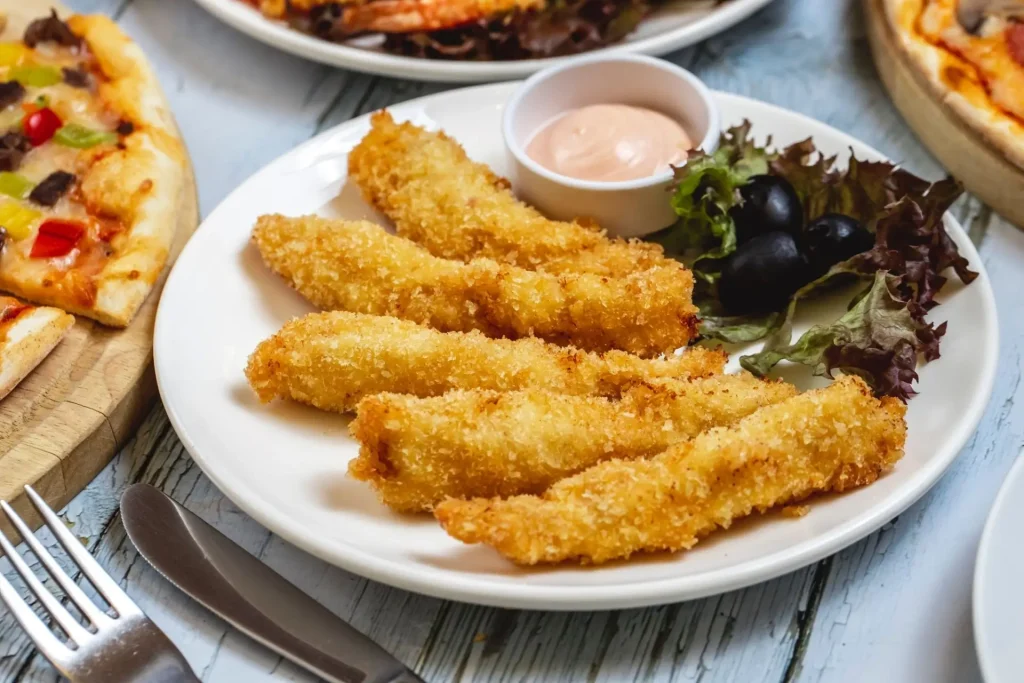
(125, 647)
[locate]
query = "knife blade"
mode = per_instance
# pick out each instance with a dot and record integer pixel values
(220, 575)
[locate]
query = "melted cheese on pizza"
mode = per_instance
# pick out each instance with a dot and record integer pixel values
(981, 67)
(70, 274)
(10, 308)
(11, 311)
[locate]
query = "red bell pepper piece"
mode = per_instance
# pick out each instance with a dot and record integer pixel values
(57, 238)
(1015, 41)
(11, 311)
(41, 125)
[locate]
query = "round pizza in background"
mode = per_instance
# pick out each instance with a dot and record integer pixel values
(971, 53)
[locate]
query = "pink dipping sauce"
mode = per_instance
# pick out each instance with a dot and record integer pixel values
(609, 142)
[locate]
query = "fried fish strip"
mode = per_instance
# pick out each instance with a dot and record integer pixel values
(459, 209)
(829, 439)
(332, 360)
(359, 267)
(418, 451)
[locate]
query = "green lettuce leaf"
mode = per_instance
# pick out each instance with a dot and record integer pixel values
(878, 339)
(740, 329)
(911, 249)
(911, 252)
(707, 187)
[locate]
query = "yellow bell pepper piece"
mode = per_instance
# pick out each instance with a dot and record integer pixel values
(18, 220)
(35, 76)
(13, 54)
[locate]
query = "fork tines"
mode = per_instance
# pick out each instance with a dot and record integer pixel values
(77, 634)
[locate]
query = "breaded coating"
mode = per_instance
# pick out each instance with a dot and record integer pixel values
(359, 267)
(418, 451)
(830, 439)
(459, 209)
(332, 360)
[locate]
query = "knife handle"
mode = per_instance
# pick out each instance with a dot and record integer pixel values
(406, 676)
(169, 676)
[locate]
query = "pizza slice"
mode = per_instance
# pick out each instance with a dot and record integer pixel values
(27, 335)
(91, 168)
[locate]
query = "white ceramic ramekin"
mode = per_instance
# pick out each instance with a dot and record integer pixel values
(626, 208)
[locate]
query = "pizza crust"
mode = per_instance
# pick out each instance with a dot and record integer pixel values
(28, 341)
(973, 106)
(143, 184)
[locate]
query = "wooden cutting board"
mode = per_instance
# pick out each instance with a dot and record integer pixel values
(66, 420)
(982, 168)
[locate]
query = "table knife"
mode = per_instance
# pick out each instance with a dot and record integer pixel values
(223, 577)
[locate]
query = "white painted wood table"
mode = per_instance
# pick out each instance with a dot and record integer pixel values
(894, 607)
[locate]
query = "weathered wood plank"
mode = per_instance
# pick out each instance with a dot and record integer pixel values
(684, 642)
(888, 604)
(88, 516)
(275, 102)
(400, 621)
(239, 103)
(905, 595)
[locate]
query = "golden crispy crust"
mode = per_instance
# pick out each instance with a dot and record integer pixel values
(418, 451)
(332, 360)
(29, 340)
(459, 209)
(143, 184)
(966, 83)
(359, 267)
(140, 185)
(830, 439)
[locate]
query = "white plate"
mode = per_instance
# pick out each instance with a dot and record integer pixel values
(998, 591)
(285, 464)
(671, 27)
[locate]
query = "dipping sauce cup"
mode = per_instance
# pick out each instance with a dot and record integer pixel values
(628, 208)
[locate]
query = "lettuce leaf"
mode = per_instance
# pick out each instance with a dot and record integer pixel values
(884, 332)
(563, 27)
(912, 249)
(707, 186)
(878, 338)
(862, 191)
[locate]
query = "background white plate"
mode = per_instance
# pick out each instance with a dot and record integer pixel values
(285, 464)
(998, 589)
(677, 24)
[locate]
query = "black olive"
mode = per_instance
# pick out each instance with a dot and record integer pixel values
(11, 92)
(76, 78)
(49, 191)
(761, 274)
(13, 148)
(52, 29)
(769, 203)
(833, 238)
